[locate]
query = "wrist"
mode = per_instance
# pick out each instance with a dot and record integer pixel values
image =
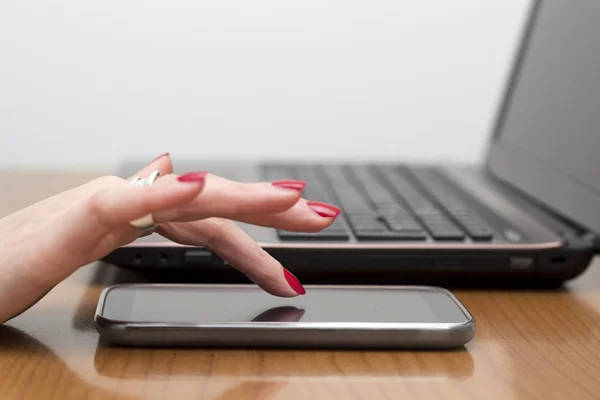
(18, 290)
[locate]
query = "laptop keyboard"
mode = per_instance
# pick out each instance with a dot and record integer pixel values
(384, 203)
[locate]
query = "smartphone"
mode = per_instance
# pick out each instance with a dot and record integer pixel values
(246, 316)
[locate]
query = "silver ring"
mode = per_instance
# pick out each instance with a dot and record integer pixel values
(145, 223)
(149, 181)
(133, 181)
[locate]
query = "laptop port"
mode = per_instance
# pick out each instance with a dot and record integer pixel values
(138, 258)
(164, 258)
(198, 257)
(558, 260)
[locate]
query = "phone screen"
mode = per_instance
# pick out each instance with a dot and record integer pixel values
(207, 304)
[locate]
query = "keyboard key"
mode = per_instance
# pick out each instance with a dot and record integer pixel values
(434, 219)
(407, 229)
(368, 229)
(481, 235)
(404, 226)
(453, 235)
(443, 229)
(401, 222)
(359, 210)
(372, 225)
(387, 235)
(323, 235)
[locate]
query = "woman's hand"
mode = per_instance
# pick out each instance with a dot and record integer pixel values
(43, 244)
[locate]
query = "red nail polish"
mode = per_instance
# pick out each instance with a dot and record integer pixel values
(294, 282)
(287, 184)
(193, 177)
(161, 156)
(324, 209)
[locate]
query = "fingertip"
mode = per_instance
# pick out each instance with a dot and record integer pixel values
(284, 292)
(166, 154)
(279, 288)
(294, 283)
(285, 195)
(198, 177)
(196, 180)
(289, 286)
(163, 164)
(324, 210)
(314, 216)
(290, 185)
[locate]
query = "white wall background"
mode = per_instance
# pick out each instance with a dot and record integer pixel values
(90, 82)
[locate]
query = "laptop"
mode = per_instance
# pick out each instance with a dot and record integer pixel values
(529, 216)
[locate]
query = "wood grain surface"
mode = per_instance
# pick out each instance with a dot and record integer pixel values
(529, 345)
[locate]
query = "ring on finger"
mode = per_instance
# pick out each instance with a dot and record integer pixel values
(145, 223)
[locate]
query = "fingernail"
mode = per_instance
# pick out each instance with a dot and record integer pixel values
(324, 209)
(294, 282)
(193, 177)
(161, 156)
(294, 185)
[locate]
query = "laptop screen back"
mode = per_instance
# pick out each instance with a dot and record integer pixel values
(547, 142)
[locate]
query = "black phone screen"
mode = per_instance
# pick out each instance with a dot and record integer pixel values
(206, 304)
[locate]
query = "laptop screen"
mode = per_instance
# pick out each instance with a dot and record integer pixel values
(547, 141)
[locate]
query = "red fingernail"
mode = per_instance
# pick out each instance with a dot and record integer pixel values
(294, 282)
(324, 209)
(161, 156)
(193, 177)
(295, 185)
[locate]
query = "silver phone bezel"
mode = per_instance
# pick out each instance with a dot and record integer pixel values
(286, 325)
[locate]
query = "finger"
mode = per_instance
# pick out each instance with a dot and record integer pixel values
(304, 216)
(238, 249)
(234, 200)
(162, 163)
(115, 206)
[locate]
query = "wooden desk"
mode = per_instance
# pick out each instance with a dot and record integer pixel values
(538, 345)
